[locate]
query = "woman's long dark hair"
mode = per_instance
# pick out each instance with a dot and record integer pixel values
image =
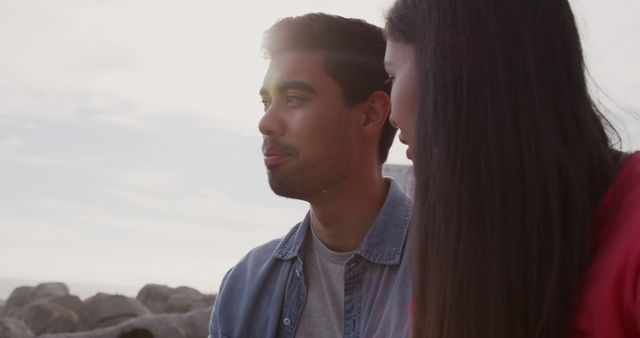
(511, 160)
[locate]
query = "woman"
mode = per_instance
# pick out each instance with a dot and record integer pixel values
(527, 220)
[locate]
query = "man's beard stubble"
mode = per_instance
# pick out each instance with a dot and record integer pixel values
(308, 178)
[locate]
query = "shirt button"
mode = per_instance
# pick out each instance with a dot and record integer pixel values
(287, 321)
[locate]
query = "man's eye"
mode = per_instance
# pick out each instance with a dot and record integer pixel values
(389, 80)
(266, 104)
(293, 99)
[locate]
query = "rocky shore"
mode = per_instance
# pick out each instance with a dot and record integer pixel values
(49, 310)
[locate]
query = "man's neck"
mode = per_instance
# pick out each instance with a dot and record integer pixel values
(342, 218)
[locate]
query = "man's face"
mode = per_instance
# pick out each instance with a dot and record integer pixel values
(307, 126)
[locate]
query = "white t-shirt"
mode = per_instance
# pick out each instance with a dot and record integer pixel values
(323, 311)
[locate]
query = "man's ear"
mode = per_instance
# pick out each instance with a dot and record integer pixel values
(375, 112)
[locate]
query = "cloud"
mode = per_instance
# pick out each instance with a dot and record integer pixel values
(69, 61)
(211, 206)
(42, 103)
(113, 249)
(12, 141)
(15, 154)
(71, 208)
(80, 222)
(153, 179)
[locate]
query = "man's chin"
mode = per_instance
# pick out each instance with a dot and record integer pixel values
(284, 192)
(283, 186)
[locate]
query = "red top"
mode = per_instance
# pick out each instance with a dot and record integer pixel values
(609, 305)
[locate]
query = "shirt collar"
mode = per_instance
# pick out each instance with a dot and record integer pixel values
(383, 243)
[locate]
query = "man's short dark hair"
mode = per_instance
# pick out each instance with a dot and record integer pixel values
(354, 56)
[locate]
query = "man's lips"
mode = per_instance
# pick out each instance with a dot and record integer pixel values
(274, 156)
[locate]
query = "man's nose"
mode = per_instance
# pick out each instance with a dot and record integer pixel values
(271, 122)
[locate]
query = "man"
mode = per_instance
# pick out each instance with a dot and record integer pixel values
(343, 271)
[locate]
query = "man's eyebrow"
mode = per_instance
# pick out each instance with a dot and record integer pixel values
(290, 85)
(297, 85)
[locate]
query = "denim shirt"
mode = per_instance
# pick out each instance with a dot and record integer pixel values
(264, 294)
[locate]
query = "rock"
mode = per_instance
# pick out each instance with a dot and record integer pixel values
(13, 328)
(155, 297)
(16, 300)
(24, 295)
(193, 324)
(69, 302)
(48, 290)
(164, 299)
(181, 299)
(205, 301)
(137, 333)
(46, 317)
(403, 175)
(104, 310)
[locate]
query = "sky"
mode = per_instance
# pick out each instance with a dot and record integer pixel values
(129, 150)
